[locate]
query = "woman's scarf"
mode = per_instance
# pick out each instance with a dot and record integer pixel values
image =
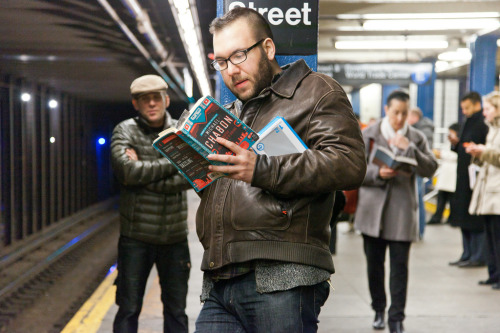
(388, 132)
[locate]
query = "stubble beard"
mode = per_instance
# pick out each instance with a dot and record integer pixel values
(262, 79)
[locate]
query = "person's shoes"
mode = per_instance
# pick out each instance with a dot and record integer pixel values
(487, 282)
(456, 263)
(378, 321)
(396, 327)
(433, 222)
(471, 264)
(496, 286)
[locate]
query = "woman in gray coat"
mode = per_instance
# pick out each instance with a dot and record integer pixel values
(387, 212)
(486, 196)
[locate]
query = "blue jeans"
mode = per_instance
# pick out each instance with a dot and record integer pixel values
(474, 244)
(135, 261)
(235, 306)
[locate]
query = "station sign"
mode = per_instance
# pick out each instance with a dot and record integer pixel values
(388, 73)
(294, 23)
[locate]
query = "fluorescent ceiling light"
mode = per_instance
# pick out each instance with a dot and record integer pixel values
(461, 54)
(442, 66)
(191, 38)
(394, 37)
(411, 16)
(134, 7)
(188, 82)
(111, 12)
(144, 26)
(439, 24)
(390, 44)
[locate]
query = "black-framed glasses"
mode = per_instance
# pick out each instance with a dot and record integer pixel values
(236, 58)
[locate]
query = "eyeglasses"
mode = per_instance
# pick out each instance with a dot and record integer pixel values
(236, 58)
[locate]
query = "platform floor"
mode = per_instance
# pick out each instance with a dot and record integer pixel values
(441, 298)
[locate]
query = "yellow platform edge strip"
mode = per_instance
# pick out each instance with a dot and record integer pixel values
(431, 208)
(89, 317)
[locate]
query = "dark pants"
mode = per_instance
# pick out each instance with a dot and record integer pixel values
(398, 279)
(474, 245)
(492, 233)
(235, 306)
(135, 261)
(442, 198)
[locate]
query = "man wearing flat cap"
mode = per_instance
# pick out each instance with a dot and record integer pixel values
(153, 212)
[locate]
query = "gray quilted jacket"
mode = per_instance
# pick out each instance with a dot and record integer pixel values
(153, 205)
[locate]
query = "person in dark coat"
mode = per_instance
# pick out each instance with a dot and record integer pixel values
(474, 130)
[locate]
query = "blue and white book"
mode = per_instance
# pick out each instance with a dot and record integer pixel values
(278, 138)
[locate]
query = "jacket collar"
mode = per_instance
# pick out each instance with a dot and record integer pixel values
(495, 122)
(142, 123)
(476, 116)
(285, 86)
(290, 78)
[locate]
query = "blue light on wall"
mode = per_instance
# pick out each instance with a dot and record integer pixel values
(101, 141)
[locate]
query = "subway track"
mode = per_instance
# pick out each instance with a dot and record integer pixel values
(44, 281)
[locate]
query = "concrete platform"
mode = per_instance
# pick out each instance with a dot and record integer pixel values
(441, 298)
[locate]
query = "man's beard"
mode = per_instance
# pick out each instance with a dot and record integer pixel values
(262, 79)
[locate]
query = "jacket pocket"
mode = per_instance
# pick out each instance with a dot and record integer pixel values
(260, 211)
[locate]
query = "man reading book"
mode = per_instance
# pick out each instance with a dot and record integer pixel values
(153, 212)
(265, 227)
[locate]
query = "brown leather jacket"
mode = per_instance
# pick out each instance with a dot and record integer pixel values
(284, 214)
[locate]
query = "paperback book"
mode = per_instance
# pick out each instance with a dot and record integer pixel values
(402, 164)
(188, 145)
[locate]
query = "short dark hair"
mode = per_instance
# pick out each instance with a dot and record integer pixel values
(398, 95)
(454, 127)
(256, 21)
(472, 96)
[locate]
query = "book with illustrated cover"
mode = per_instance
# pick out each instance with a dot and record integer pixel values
(402, 164)
(208, 120)
(190, 163)
(188, 145)
(278, 138)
